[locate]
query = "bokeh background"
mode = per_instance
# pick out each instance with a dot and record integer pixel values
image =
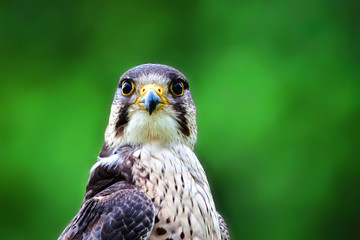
(276, 85)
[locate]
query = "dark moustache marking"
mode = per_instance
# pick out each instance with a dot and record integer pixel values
(180, 110)
(122, 120)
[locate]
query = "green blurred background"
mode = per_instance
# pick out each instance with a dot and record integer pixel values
(276, 85)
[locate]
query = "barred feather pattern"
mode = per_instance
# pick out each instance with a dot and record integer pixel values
(175, 181)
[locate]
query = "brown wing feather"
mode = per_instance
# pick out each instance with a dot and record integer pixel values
(124, 214)
(113, 208)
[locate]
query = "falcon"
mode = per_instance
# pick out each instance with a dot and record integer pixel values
(147, 182)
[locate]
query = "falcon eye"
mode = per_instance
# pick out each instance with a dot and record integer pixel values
(177, 88)
(127, 87)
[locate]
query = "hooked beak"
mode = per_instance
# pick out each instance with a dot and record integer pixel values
(152, 97)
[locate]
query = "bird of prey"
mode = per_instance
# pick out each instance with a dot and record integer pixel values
(147, 182)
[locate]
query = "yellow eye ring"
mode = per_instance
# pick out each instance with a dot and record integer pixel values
(177, 88)
(127, 87)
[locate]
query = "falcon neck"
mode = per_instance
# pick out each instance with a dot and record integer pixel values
(172, 158)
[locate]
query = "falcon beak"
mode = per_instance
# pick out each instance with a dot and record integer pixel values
(152, 98)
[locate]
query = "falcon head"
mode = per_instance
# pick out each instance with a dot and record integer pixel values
(152, 105)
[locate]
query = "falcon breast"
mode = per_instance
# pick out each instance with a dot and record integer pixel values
(147, 182)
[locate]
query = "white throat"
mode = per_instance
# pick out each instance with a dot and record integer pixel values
(158, 128)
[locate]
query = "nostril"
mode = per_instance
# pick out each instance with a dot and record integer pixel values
(143, 90)
(159, 90)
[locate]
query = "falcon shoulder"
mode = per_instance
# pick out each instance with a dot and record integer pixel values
(113, 208)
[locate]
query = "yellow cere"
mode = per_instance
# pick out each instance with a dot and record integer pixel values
(158, 89)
